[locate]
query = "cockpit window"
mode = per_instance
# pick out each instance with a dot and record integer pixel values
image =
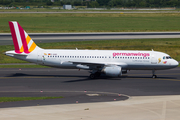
(167, 57)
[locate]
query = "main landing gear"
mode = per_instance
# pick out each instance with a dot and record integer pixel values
(94, 75)
(154, 76)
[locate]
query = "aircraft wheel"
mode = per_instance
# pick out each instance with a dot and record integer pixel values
(154, 76)
(92, 76)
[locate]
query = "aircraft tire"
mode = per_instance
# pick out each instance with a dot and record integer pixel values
(154, 76)
(92, 76)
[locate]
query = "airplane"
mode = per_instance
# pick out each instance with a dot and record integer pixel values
(112, 63)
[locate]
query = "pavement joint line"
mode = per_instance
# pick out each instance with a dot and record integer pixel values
(71, 91)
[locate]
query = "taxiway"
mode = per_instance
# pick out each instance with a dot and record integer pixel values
(75, 85)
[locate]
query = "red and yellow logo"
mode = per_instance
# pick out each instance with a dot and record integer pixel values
(159, 60)
(165, 62)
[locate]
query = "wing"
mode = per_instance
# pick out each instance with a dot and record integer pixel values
(95, 65)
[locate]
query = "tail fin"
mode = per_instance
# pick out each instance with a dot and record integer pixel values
(22, 41)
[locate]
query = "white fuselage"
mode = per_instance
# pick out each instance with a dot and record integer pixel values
(126, 59)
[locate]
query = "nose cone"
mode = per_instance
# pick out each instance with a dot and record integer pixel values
(175, 63)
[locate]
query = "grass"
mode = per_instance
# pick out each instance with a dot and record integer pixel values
(13, 99)
(170, 46)
(85, 22)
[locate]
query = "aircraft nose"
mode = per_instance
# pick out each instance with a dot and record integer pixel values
(175, 63)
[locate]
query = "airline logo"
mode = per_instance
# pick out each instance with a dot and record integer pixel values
(159, 60)
(165, 62)
(22, 41)
(131, 54)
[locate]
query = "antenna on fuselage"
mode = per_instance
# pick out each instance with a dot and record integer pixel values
(76, 49)
(152, 50)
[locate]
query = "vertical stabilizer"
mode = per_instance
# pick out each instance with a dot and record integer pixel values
(22, 41)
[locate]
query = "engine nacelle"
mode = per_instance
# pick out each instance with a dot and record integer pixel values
(112, 71)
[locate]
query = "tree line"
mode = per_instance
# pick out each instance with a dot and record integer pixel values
(94, 3)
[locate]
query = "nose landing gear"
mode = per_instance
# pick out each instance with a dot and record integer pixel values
(154, 76)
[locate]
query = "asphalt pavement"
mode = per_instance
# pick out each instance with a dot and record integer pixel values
(75, 85)
(6, 39)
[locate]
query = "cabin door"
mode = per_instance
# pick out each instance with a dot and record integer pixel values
(153, 59)
(39, 58)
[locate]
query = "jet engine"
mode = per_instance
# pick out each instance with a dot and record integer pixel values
(112, 71)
